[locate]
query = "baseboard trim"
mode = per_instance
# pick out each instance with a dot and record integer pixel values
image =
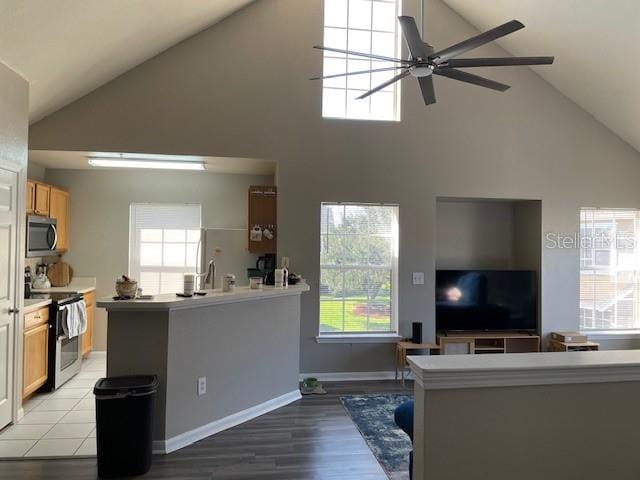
(350, 376)
(192, 436)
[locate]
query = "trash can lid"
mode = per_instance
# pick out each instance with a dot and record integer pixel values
(126, 385)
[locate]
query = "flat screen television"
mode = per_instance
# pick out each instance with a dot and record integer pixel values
(486, 300)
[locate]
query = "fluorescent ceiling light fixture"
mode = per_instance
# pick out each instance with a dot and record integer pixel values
(145, 161)
(149, 164)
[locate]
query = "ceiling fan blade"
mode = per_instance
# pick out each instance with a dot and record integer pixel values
(471, 78)
(428, 93)
(355, 73)
(477, 41)
(495, 62)
(411, 35)
(360, 54)
(384, 85)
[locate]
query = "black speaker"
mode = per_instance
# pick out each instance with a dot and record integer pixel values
(416, 332)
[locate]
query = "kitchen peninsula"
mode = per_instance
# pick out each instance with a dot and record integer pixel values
(244, 344)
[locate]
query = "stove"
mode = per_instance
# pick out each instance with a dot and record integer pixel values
(65, 355)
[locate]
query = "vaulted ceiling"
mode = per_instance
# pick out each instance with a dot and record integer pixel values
(67, 48)
(596, 45)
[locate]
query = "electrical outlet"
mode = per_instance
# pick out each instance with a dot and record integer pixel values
(202, 386)
(418, 278)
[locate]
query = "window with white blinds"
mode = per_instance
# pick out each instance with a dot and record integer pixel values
(163, 245)
(358, 268)
(609, 269)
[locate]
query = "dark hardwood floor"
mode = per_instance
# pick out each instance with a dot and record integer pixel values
(313, 438)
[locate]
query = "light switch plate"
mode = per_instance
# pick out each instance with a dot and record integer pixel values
(202, 386)
(418, 278)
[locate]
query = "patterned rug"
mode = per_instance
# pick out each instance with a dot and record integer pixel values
(373, 415)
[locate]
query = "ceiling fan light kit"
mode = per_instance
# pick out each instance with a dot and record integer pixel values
(424, 61)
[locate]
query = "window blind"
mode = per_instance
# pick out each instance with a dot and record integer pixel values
(163, 245)
(358, 268)
(609, 269)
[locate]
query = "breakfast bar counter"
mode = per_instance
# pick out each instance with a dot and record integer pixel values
(221, 359)
(170, 301)
(526, 415)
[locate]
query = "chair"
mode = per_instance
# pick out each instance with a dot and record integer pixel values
(403, 417)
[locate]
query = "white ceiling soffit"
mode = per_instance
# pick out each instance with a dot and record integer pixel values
(67, 48)
(596, 45)
(68, 160)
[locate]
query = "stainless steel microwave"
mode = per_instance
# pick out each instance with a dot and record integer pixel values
(42, 236)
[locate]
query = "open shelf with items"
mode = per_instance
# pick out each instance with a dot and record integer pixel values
(262, 234)
(497, 342)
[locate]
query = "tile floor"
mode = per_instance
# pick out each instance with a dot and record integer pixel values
(61, 423)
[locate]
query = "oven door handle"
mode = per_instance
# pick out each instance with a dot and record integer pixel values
(54, 230)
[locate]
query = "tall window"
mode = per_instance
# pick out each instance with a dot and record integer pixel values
(609, 269)
(366, 26)
(163, 245)
(358, 268)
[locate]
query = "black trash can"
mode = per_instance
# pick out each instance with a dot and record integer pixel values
(124, 424)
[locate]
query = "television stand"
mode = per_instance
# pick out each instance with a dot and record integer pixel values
(496, 342)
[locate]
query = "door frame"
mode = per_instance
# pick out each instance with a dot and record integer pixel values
(20, 238)
(18, 412)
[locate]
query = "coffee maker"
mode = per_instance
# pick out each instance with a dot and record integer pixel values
(267, 265)
(27, 282)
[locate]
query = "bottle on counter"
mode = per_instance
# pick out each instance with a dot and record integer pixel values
(229, 283)
(278, 277)
(285, 271)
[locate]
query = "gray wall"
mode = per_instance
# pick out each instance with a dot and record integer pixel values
(247, 350)
(474, 235)
(227, 344)
(527, 235)
(99, 228)
(140, 346)
(205, 96)
(527, 432)
(36, 172)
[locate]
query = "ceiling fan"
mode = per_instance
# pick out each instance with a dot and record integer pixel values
(424, 61)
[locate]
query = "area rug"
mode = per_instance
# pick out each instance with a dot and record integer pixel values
(373, 415)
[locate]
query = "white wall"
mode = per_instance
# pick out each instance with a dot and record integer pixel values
(99, 226)
(14, 117)
(241, 88)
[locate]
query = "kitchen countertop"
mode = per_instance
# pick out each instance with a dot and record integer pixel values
(77, 285)
(170, 301)
(33, 304)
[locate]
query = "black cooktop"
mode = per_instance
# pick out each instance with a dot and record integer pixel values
(58, 298)
(63, 298)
